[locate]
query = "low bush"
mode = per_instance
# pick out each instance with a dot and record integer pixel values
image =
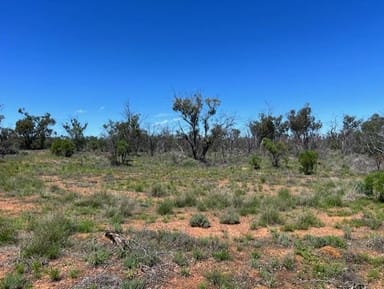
(255, 162)
(63, 147)
(199, 220)
(308, 160)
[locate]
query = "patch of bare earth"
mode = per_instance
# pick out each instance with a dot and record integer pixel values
(14, 206)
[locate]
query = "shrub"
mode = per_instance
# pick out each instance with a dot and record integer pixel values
(199, 220)
(63, 147)
(49, 236)
(308, 160)
(255, 162)
(165, 207)
(373, 185)
(230, 217)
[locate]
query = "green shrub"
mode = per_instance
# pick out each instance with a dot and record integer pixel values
(165, 207)
(54, 274)
(308, 160)
(63, 147)
(373, 185)
(199, 220)
(255, 162)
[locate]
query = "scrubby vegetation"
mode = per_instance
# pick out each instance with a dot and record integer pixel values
(283, 207)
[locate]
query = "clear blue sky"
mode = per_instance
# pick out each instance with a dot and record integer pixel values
(88, 58)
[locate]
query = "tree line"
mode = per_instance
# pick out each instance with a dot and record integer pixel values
(201, 134)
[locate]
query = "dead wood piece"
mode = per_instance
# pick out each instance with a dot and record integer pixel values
(117, 239)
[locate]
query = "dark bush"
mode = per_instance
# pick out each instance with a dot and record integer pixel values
(255, 162)
(63, 147)
(308, 160)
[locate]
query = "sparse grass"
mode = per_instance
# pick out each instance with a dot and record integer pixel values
(280, 199)
(14, 281)
(230, 217)
(307, 220)
(270, 216)
(8, 231)
(50, 235)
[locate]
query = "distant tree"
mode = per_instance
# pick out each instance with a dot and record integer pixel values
(201, 132)
(7, 139)
(303, 126)
(75, 131)
(373, 134)
(123, 137)
(277, 150)
(34, 130)
(351, 134)
(268, 126)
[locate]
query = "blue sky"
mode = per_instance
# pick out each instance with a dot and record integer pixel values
(89, 58)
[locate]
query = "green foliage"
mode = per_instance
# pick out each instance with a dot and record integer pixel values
(373, 185)
(318, 242)
(97, 255)
(14, 281)
(54, 274)
(221, 255)
(63, 147)
(8, 231)
(197, 116)
(308, 160)
(255, 162)
(165, 207)
(49, 236)
(199, 220)
(75, 130)
(307, 220)
(220, 280)
(34, 130)
(180, 259)
(276, 149)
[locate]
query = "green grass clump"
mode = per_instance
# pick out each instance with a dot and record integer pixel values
(220, 280)
(199, 220)
(8, 231)
(270, 216)
(14, 281)
(165, 207)
(318, 242)
(50, 235)
(307, 220)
